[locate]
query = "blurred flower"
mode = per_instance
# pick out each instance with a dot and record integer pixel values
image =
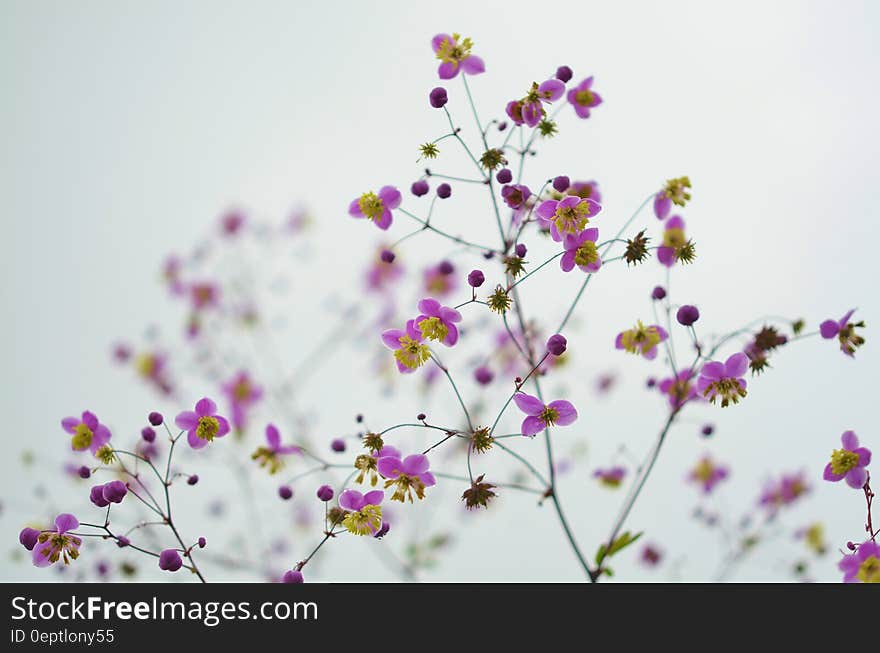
(724, 380)
(641, 339)
(455, 55)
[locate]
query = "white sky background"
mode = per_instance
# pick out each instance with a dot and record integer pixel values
(127, 129)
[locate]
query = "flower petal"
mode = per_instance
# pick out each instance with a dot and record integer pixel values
(351, 500)
(389, 466)
(829, 329)
(415, 464)
(473, 65)
(528, 404)
(567, 412)
(187, 420)
(374, 498)
(849, 440)
(532, 425)
(736, 365)
(195, 441)
(856, 478)
(205, 407)
(430, 307)
(829, 475)
(547, 209)
(66, 522)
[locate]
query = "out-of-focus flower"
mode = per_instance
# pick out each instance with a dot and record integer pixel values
(845, 331)
(679, 389)
(707, 474)
(583, 98)
(641, 339)
(455, 55)
(439, 280)
(676, 246)
(271, 454)
(849, 462)
(784, 491)
(611, 477)
(87, 431)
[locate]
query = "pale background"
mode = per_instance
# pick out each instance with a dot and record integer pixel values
(127, 128)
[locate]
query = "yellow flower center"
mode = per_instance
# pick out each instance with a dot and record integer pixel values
(433, 329)
(869, 570)
(365, 521)
(146, 364)
(584, 98)
(371, 205)
(411, 354)
(207, 428)
(572, 219)
(674, 237)
(704, 470)
(728, 389)
(267, 457)
(586, 254)
(242, 390)
(60, 546)
(405, 487)
(549, 416)
(842, 461)
(82, 438)
(453, 51)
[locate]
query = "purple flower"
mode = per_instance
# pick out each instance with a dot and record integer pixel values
(568, 216)
(673, 242)
(455, 54)
(241, 390)
(338, 445)
(382, 272)
(679, 388)
(376, 207)
(559, 412)
(203, 424)
(410, 352)
(863, 566)
(585, 190)
(849, 462)
(783, 492)
(845, 331)
(437, 322)
(270, 455)
(57, 543)
(582, 98)
(708, 474)
(438, 98)
(292, 576)
(439, 279)
(410, 474)
(581, 250)
(170, 560)
(641, 339)
(515, 195)
(365, 514)
(88, 432)
(530, 110)
(724, 379)
(611, 477)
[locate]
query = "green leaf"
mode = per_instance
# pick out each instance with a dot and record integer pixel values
(623, 541)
